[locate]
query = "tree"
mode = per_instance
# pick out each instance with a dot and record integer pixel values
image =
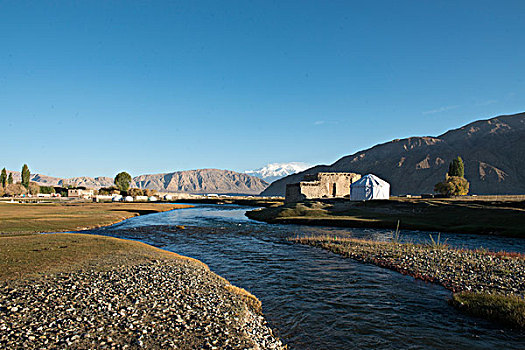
(15, 190)
(26, 174)
(149, 193)
(456, 168)
(123, 181)
(107, 191)
(47, 189)
(33, 188)
(452, 186)
(10, 179)
(3, 178)
(134, 192)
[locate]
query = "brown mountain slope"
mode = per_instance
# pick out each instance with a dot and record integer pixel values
(190, 181)
(493, 151)
(203, 181)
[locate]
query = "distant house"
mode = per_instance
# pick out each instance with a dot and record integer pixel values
(321, 185)
(369, 187)
(102, 198)
(79, 193)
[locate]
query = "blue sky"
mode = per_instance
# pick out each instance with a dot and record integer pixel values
(93, 88)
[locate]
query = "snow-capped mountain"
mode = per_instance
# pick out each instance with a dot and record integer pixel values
(275, 171)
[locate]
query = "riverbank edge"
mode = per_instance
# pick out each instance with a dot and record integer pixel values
(370, 218)
(508, 310)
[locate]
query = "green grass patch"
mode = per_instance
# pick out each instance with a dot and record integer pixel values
(478, 217)
(20, 218)
(506, 309)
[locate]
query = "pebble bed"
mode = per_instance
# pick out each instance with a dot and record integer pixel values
(159, 305)
(456, 269)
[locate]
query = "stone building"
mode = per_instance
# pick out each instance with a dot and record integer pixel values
(321, 185)
(80, 193)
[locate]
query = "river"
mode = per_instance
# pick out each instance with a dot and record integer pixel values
(315, 299)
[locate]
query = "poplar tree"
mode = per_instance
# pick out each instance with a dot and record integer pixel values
(3, 178)
(26, 174)
(456, 168)
(10, 179)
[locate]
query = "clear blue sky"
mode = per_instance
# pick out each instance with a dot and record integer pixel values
(95, 87)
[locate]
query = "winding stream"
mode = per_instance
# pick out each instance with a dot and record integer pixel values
(319, 300)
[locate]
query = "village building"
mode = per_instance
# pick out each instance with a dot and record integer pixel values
(79, 193)
(321, 185)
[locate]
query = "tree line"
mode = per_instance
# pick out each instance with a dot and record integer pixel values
(9, 188)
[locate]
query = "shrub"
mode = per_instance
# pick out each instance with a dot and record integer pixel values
(148, 192)
(452, 186)
(15, 190)
(33, 188)
(135, 192)
(507, 309)
(47, 189)
(107, 191)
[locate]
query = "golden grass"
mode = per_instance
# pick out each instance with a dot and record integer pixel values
(59, 217)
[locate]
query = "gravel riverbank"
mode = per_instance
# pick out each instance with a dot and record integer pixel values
(486, 284)
(160, 304)
(456, 269)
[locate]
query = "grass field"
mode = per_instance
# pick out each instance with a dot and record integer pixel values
(25, 256)
(19, 218)
(469, 216)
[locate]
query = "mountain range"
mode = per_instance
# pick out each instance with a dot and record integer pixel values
(493, 152)
(191, 181)
(276, 171)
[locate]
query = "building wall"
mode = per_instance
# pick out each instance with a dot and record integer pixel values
(321, 185)
(80, 193)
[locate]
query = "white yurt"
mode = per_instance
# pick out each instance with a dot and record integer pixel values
(369, 187)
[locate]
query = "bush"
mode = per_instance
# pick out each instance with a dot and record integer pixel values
(507, 309)
(148, 192)
(15, 190)
(47, 189)
(135, 192)
(33, 188)
(453, 186)
(108, 191)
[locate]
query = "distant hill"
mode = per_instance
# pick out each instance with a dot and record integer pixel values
(190, 181)
(493, 151)
(276, 171)
(202, 181)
